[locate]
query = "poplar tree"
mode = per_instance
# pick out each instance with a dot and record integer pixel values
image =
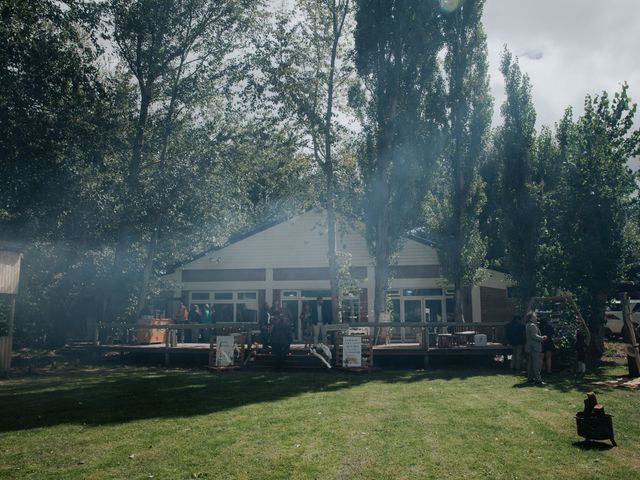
(520, 206)
(454, 208)
(306, 64)
(397, 45)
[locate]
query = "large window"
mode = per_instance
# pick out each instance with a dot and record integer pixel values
(417, 304)
(229, 306)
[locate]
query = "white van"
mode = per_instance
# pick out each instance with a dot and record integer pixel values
(614, 319)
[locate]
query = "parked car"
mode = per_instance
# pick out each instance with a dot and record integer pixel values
(614, 319)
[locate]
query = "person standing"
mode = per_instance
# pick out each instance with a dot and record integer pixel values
(516, 337)
(263, 324)
(305, 324)
(195, 317)
(581, 350)
(320, 318)
(281, 340)
(546, 329)
(206, 318)
(182, 317)
(533, 346)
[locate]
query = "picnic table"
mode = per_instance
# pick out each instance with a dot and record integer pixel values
(466, 337)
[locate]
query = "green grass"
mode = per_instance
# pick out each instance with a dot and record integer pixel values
(140, 423)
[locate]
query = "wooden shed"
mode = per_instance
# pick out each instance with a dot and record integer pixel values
(10, 260)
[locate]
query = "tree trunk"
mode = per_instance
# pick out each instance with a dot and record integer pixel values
(125, 226)
(158, 211)
(382, 267)
(148, 265)
(459, 301)
(337, 23)
(596, 326)
(333, 262)
(380, 299)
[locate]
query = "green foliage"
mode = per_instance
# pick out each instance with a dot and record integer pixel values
(596, 198)
(454, 206)
(51, 116)
(207, 167)
(519, 199)
(397, 45)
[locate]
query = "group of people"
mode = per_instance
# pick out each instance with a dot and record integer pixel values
(276, 326)
(534, 339)
(194, 315)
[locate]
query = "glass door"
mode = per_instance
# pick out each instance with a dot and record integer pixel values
(412, 313)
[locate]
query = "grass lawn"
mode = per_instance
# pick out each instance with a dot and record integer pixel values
(139, 423)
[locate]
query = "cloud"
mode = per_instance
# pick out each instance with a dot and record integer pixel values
(569, 49)
(533, 54)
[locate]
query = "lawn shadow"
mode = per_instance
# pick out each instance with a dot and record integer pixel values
(119, 394)
(97, 395)
(523, 384)
(587, 445)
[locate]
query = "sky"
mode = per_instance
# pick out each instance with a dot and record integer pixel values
(569, 48)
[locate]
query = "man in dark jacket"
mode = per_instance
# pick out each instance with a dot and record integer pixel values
(281, 339)
(516, 338)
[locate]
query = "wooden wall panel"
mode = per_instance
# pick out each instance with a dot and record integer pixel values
(416, 271)
(496, 307)
(225, 275)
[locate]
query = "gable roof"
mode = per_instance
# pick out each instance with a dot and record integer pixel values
(268, 225)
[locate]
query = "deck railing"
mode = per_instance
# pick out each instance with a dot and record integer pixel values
(426, 334)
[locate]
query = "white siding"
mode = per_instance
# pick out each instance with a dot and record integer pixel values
(9, 271)
(415, 253)
(298, 242)
(302, 242)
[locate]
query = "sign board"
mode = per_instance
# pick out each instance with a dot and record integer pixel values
(9, 271)
(352, 351)
(224, 351)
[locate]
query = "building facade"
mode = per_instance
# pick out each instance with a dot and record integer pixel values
(288, 263)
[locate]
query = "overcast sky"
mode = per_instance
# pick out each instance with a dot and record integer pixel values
(568, 47)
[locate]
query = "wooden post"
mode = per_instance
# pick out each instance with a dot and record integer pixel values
(167, 344)
(12, 314)
(633, 355)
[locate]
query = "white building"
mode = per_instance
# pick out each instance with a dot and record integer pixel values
(287, 263)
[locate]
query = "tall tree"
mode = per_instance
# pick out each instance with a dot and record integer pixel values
(520, 207)
(168, 46)
(397, 45)
(50, 106)
(61, 121)
(307, 66)
(547, 175)
(455, 208)
(597, 195)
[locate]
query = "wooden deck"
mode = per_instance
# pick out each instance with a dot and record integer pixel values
(400, 349)
(201, 350)
(454, 340)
